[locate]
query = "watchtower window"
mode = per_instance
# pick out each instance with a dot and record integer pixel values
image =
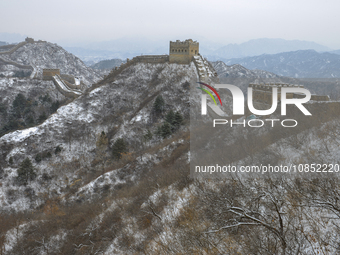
(182, 50)
(195, 51)
(185, 50)
(173, 50)
(192, 50)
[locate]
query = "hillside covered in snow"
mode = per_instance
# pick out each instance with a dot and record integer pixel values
(108, 172)
(27, 98)
(37, 55)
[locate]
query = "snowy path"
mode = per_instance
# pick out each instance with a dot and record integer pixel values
(61, 84)
(34, 72)
(203, 68)
(205, 73)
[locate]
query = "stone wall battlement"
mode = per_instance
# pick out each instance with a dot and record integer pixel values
(152, 58)
(48, 73)
(262, 93)
(179, 43)
(269, 86)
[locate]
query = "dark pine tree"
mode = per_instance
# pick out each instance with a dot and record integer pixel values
(166, 130)
(158, 105)
(25, 172)
(178, 120)
(170, 117)
(118, 148)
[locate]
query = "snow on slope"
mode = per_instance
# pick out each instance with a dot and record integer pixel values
(124, 105)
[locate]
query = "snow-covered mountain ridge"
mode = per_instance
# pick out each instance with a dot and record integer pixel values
(83, 200)
(297, 64)
(42, 55)
(113, 108)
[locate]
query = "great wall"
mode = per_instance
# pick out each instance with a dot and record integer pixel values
(13, 49)
(262, 93)
(180, 52)
(66, 88)
(10, 51)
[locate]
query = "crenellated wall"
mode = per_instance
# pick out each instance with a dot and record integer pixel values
(262, 93)
(151, 58)
(49, 73)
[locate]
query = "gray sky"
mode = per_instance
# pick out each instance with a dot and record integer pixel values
(222, 21)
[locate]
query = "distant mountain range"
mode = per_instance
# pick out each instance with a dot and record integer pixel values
(91, 56)
(118, 49)
(237, 74)
(335, 52)
(263, 46)
(107, 64)
(292, 58)
(130, 47)
(12, 37)
(298, 64)
(241, 76)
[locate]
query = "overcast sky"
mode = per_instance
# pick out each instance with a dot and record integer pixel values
(223, 21)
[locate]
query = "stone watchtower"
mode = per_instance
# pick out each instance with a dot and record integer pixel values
(183, 52)
(29, 40)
